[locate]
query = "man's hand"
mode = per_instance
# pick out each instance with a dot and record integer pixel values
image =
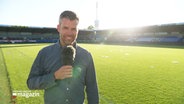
(63, 72)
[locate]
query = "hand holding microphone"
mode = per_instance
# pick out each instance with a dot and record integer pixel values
(65, 71)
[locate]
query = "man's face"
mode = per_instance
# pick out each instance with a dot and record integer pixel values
(68, 31)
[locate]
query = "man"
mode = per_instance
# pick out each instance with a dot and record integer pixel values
(64, 84)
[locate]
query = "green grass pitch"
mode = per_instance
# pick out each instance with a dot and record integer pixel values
(125, 74)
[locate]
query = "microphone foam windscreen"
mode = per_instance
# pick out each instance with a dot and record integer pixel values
(68, 55)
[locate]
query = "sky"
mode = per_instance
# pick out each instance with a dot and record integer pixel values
(110, 13)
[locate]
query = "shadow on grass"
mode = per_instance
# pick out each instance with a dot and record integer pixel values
(5, 88)
(159, 46)
(177, 46)
(156, 45)
(20, 45)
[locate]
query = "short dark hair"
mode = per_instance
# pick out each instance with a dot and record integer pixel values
(68, 14)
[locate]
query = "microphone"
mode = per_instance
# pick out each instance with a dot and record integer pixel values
(68, 55)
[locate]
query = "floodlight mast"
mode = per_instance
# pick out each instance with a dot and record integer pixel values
(96, 21)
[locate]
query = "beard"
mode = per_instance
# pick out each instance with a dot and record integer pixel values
(68, 42)
(65, 42)
(67, 39)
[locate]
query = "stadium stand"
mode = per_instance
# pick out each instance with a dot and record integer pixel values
(167, 33)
